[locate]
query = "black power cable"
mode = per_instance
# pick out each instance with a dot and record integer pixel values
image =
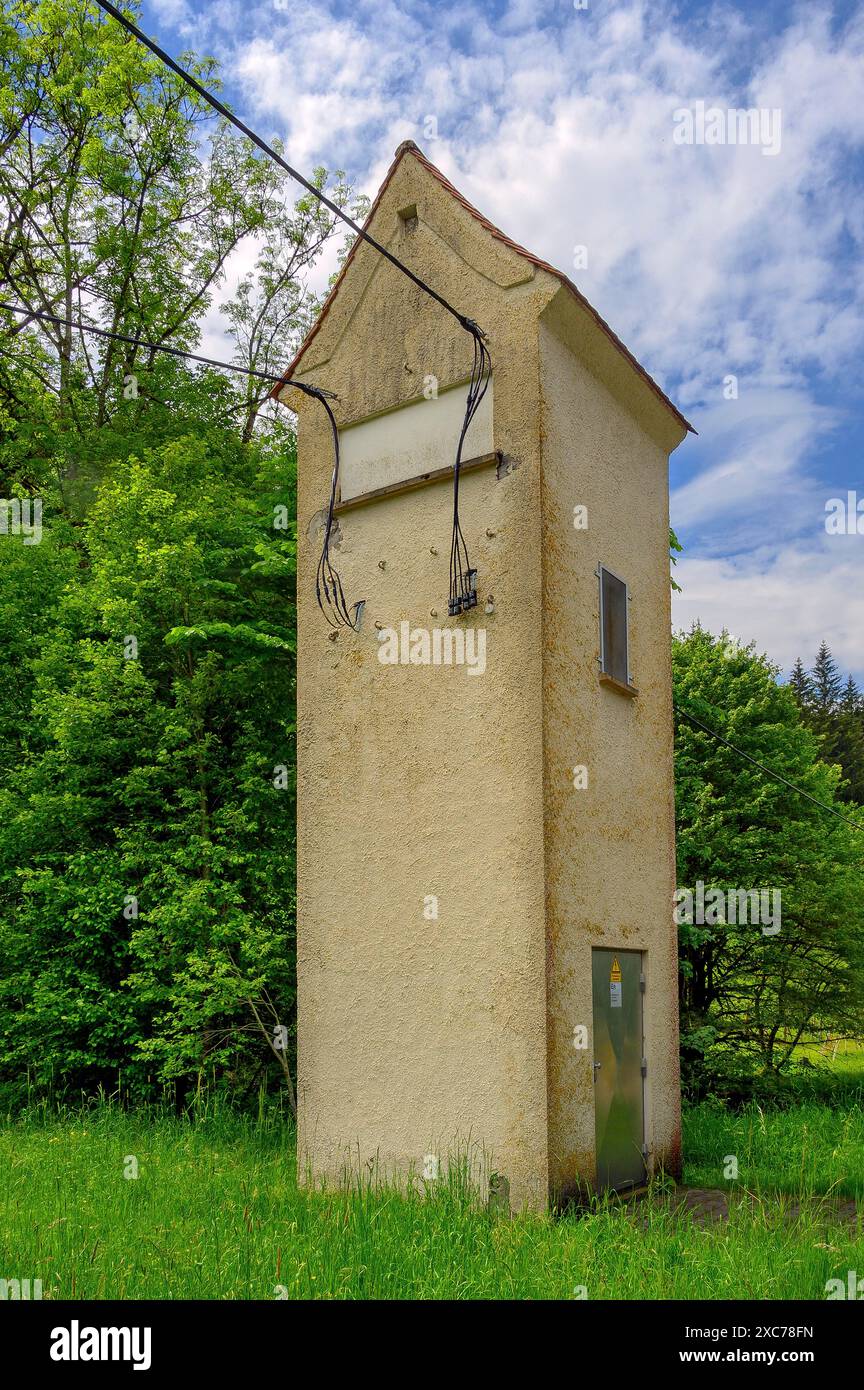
(223, 110)
(463, 579)
(326, 577)
(327, 581)
(778, 777)
(328, 585)
(44, 317)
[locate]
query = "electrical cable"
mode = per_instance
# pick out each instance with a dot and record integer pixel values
(326, 577)
(769, 771)
(43, 316)
(327, 581)
(262, 145)
(463, 578)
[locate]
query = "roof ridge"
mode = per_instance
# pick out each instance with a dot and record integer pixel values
(409, 147)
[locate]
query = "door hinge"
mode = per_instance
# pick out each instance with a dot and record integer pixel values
(644, 1066)
(644, 1150)
(642, 984)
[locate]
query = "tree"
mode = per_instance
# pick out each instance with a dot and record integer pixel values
(122, 199)
(146, 840)
(802, 685)
(745, 994)
(836, 714)
(827, 685)
(272, 305)
(147, 689)
(112, 215)
(850, 739)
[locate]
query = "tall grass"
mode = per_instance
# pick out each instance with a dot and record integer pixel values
(806, 1151)
(215, 1213)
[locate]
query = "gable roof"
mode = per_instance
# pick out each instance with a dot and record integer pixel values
(409, 147)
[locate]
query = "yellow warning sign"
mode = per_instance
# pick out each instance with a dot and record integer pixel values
(615, 987)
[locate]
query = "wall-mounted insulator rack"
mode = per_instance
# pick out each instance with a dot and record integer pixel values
(467, 599)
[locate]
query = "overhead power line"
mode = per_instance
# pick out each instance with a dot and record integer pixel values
(463, 577)
(262, 145)
(328, 585)
(44, 317)
(778, 777)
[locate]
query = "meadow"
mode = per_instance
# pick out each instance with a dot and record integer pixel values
(215, 1212)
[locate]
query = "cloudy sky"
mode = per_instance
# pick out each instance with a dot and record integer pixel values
(733, 271)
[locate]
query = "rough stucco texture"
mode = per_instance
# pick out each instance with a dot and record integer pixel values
(610, 848)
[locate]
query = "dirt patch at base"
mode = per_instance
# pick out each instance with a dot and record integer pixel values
(708, 1205)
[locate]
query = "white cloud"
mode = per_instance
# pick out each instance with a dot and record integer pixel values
(708, 261)
(786, 600)
(757, 484)
(174, 13)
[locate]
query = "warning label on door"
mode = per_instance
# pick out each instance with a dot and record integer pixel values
(615, 984)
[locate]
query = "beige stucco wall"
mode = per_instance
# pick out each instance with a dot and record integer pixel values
(413, 1035)
(610, 847)
(417, 1036)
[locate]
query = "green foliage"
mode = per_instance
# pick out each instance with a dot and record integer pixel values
(747, 997)
(126, 197)
(675, 549)
(835, 712)
(147, 679)
(148, 642)
(151, 777)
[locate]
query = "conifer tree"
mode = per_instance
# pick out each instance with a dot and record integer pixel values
(826, 681)
(802, 686)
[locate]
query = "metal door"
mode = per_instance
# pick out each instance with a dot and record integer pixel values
(619, 1112)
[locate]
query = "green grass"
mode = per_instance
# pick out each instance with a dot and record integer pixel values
(216, 1213)
(845, 1060)
(807, 1151)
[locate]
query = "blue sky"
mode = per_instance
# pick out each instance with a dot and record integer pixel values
(711, 261)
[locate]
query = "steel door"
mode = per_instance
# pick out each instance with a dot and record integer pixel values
(619, 1117)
